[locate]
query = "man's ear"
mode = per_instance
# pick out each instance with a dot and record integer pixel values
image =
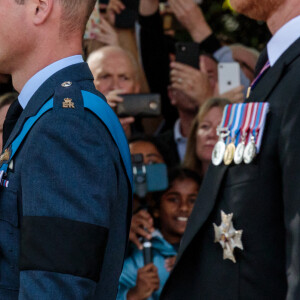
(43, 9)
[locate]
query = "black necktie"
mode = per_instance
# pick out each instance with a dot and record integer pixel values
(263, 58)
(11, 119)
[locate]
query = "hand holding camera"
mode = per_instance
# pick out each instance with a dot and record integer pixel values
(113, 99)
(141, 226)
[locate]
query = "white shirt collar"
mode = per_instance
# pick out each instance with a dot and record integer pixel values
(40, 77)
(283, 39)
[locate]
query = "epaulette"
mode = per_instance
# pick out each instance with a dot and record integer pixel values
(68, 97)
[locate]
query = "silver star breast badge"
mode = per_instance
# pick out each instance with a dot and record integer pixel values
(228, 237)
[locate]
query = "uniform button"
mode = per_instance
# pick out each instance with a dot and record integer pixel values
(66, 84)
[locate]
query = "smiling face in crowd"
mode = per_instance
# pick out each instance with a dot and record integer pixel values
(206, 134)
(176, 205)
(114, 70)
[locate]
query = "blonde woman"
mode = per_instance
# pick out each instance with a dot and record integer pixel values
(203, 136)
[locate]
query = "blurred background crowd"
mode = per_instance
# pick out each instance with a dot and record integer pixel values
(167, 69)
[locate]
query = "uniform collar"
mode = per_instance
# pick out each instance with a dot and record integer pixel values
(283, 39)
(78, 72)
(33, 84)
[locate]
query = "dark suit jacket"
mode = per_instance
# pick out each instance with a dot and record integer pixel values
(168, 148)
(264, 198)
(64, 218)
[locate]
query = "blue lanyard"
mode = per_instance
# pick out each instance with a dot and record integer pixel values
(102, 111)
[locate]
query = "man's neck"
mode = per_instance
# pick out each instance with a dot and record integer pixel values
(285, 12)
(38, 61)
(186, 120)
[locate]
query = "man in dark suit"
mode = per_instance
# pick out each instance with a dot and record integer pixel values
(65, 199)
(263, 196)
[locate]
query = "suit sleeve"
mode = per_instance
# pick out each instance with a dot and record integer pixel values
(68, 183)
(290, 162)
(155, 60)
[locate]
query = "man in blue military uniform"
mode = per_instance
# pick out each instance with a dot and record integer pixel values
(65, 200)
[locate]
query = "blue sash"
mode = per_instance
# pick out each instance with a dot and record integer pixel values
(101, 109)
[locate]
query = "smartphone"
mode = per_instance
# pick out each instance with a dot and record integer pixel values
(139, 105)
(228, 76)
(149, 178)
(128, 17)
(188, 53)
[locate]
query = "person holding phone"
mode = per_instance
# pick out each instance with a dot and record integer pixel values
(171, 212)
(116, 72)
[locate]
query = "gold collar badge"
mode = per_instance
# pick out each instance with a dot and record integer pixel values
(228, 237)
(5, 156)
(68, 103)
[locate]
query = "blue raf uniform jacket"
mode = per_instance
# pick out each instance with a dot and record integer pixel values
(65, 216)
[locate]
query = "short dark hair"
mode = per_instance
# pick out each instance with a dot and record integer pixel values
(140, 137)
(73, 17)
(181, 173)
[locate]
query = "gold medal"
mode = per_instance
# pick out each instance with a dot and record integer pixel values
(229, 154)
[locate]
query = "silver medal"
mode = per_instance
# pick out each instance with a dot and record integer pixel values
(250, 151)
(239, 152)
(218, 152)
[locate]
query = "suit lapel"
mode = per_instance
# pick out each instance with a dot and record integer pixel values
(205, 203)
(73, 73)
(268, 82)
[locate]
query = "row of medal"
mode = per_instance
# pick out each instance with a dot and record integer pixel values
(240, 133)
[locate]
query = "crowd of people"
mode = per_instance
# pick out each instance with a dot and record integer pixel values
(183, 137)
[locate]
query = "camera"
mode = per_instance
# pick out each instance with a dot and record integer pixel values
(148, 178)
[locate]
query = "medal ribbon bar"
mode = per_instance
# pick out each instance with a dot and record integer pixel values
(253, 119)
(261, 125)
(231, 122)
(246, 127)
(235, 127)
(241, 119)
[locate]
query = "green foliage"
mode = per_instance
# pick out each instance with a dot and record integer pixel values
(233, 26)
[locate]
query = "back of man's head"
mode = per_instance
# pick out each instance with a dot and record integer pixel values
(75, 14)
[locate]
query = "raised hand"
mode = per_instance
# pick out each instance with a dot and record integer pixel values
(141, 225)
(147, 282)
